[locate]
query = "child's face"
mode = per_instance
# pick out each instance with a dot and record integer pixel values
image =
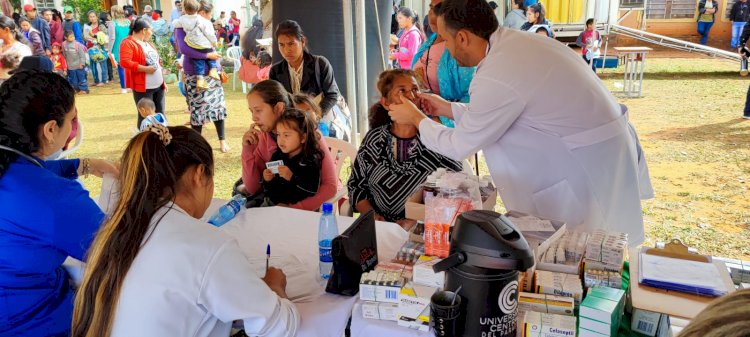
(289, 140)
(590, 27)
(71, 38)
(55, 50)
(145, 112)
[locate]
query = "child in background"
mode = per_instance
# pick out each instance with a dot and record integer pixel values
(264, 65)
(298, 147)
(8, 62)
(221, 33)
(306, 103)
(75, 56)
(58, 60)
(147, 110)
(590, 43)
(199, 35)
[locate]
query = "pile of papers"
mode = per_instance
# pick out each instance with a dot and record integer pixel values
(685, 276)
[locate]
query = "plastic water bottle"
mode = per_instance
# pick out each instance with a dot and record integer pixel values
(327, 231)
(323, 127)
(228, 211)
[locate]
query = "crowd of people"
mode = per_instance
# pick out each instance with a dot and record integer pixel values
(154, 268)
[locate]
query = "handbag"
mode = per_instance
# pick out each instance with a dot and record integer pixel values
(354, 252)
(224, 77)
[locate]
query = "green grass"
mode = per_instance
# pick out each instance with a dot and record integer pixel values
(697, 147)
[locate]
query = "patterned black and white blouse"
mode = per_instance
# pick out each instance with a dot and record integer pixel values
(382, 174)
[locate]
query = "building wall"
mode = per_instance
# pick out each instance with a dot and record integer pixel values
(683, 28)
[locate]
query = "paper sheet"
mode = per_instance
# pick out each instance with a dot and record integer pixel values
(677, 271)
(532, 224)
(301, 286)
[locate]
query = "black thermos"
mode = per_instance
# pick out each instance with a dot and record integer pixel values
(487, 252)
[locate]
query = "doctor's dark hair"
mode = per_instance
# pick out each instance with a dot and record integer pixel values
(476, 16)
(149, 176)
(378, 114)
(28, 100)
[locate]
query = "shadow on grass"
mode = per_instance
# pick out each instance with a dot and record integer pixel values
(729, 133)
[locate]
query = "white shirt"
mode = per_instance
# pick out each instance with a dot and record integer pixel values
(191, 279)
(155, 79)
(199, 32)
(558, 145)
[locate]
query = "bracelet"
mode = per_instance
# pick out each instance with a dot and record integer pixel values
(86, 167)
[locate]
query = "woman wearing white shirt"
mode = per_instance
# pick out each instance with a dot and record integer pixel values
(14, 47)
(155, 269)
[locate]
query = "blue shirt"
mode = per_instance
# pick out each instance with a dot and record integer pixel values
(46, 216)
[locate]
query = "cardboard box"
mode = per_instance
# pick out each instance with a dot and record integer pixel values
(415, 208)
(382, 284)
(380, 311)
(537, 324)
(414, 306)
(588, 333)
(645, 322)
(560, 284)
(424, 275)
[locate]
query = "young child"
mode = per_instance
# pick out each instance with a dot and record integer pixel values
(75, 57)
(199, 35)
(264, 65)
(298, 176)
(306, 103)
(8, 62)
(590, 43)
(58, 60)
(147, 110)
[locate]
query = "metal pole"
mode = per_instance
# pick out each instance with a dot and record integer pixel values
(351, 85)
(360, 29)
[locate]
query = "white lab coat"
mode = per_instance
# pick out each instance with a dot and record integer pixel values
(557, 143)
(191, 279)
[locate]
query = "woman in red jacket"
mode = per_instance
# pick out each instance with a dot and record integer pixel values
(143, 71)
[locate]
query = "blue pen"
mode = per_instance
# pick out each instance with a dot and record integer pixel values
(268, 254)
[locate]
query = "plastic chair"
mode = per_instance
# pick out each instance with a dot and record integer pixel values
(233, 53)
(341, 150)
(73, 148)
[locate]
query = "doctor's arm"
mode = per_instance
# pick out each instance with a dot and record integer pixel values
(231, 291)
(481, 123)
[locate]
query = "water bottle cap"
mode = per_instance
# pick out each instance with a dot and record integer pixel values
(327, 208)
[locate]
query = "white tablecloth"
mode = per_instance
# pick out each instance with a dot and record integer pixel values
(363, 327)
(295, 232)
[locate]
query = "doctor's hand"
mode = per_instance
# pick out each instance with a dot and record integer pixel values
(405, 112)
(435, 105)
(276, 280)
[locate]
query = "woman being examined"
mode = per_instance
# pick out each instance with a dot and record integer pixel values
(267, 100)
(392, 162)
(156, 269)
(48, 215)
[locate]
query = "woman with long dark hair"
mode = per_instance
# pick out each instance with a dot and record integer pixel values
(48, 215)
(156, 269)
(119, 30)
(267, 100)
(536, 21)
(143, 71)
(302, 72)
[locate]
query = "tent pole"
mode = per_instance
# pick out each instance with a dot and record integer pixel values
(351, 85)
(360, 28)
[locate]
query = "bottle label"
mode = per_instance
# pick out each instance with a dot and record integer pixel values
(325, 254)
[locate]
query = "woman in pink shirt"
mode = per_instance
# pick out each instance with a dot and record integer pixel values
(410, 40)
(267, 100)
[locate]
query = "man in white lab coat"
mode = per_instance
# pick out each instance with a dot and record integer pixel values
(557, 143)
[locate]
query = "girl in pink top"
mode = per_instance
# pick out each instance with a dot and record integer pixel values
(264, 65)
(410, 40)
(267, 100)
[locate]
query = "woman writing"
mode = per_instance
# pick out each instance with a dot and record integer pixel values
(156, 269)
(302, 72)
(119, 30)
(33, 36)
(14, 46)
(143, 71)
(205, 105)
(267, 101)
(392, 162)
(438, 71)
(410, 40)
(52, 215)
